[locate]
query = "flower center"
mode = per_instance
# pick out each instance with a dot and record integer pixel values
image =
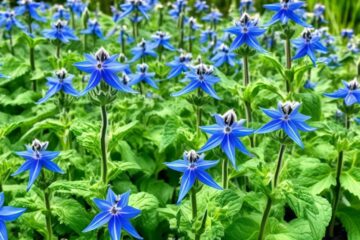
(99, 65)
(114, 210)
(227, 129)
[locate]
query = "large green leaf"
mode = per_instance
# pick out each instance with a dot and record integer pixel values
(350, 180)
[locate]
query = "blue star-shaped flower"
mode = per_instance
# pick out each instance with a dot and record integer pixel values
(142, 75)
(177, 8)
(350, 93)
(130, 6)
(8, 20)
(116, 212)
(193, 25)
(7, 214)
(246, 32)
(201, 6)
(29, 7)
(60, 31)
(308, 45)
(142, 50)
(246, 6)
(207, 35)
(102, 66)
(288, 118)
(214, 17)
(62, 82)
(161, 39)
(319, 11)
(93, 28)
(61, 13)
(226, 133)
(285, 12)
(37, 158)
(193, 166)
(76, 6)
(179, 65)
(200, 76)
(347, 33)
(223, 55)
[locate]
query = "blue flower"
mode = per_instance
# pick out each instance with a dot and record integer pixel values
(285, 12)
(130, 6)
(193, 25)
(200, 76)
(287, 118)
(93, 28)
(123, 34)
(142, 50)
(61, 82)
(332, 61)
(310, 85)
(102, 66)
(37, 158)
(29, 7)
(226, 133)
(116, 212)
(179, 65)
(308, 44)
(347, 33)
(162, 39)
(214, 17)
(246, 32)
(61, 13)
(207, 35)
(76, 6)
(352, 46)
(246, 6)
(7, 214)
(223, 55)
(8, 19)
(142, 75)
(177, 8)
(201, 6)
(193, 166)
(319, 11)
(60, 31)
(116, 14)
(350, 93)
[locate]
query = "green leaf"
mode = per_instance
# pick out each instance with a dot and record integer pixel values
(159, 188)
(118, 167)
(350, 180)
(118, 132)
(311, 105)
(247, 227)
(350, 219)
(143, 201)
(169, 133)
(78, 188)
(275, 63)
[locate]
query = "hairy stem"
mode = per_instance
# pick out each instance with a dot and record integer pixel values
(225, 171)
(58, 47)
(103, 143)
(193, 203)
(265, 218)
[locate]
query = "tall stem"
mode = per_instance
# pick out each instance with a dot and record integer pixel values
(48, 213)
(73, 20)
(198, 113)
(248, 121)
(190, 40)
(181, 25)
(11, 43)
(32, 65)
(246, 70)
(225, 171)
(246, 77)
(103, 143)
(288, 60)
(58, 45)
(274, 184)
(193, 203)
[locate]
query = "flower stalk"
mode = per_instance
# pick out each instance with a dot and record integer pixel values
(103, 143)
(288, 61)
(225, 172)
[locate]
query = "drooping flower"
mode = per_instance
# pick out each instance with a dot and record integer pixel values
(246, 31)
(287, 118)
(36, 158)
(350, 93)
(142, 75)
(223, 55)
(200, 76)
(76, 6)
(142, 50)
(116, 212)
(60, 31)
(226, 133)
(285, 11)
(115, 14)
(61, 13)
(7, 214)
(8, 20)
(102, 66)
(347, 33)
(179, 65)
(213, 17)
(29, 7)
(352, 46)
(162, 39)
(62, 82)
(93, 28)
(140, 6)
(308, 44)
(193, 166)
(201, 6)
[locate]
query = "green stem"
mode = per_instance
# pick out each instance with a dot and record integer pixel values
(288, 61)
(275, 183)
(190, 41)
(73, 20)
(198, 113)
(11, 43)
(103, 143)
(246, 70)
(58, 47)
(48, 213)
(193, 203)
(225, 171)
(181, 25)
(248, 121)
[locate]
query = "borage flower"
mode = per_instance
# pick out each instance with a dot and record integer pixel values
(347, 33)
(7, 214)
(285, 11)
(193, 166)
(116, 212)
(76, 6)
(140, 6)
(319, 11)
(178, 7)
(8, 20)
(179, 65)
(308, 44)
(310, 85)
(201, 6)
(142, 50)
(62, 82)
(350, 93)
(61, 13)
(29, 7)
(287, 118)
(102, 66)
(142, 75)
(37, 158)
(200, 76)
(246, 6)
(207, 35)
(213, 17)
(246, 32)
(223, 55)
(60, 31)
(226, 133)
(161, 39)
(93, 28)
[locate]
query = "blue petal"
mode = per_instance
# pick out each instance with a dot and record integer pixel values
(212, 129)
(10, 213)
(86, 66)
(3, 231)
(205, 178)
(290, 14)
(239, 145)
(178, 165)
(189, 88)
(203, 165)
(350, 99)
(69, 89)
(129, 212)
(24, 167)
(291, 130)
(209, 90)
(271, 126)
(110, 196)
(341, 93)
(102, 204)
(273, 6)
(228, 146)
(49, 155)
(52, 166)
(213, 142)
(130, 229)
(187, 181)
(124, 199)
(114, 227)
(53, 89)
(95, 79)
(35, 169)
(302, 126)
(2, 199)
(99, 220)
